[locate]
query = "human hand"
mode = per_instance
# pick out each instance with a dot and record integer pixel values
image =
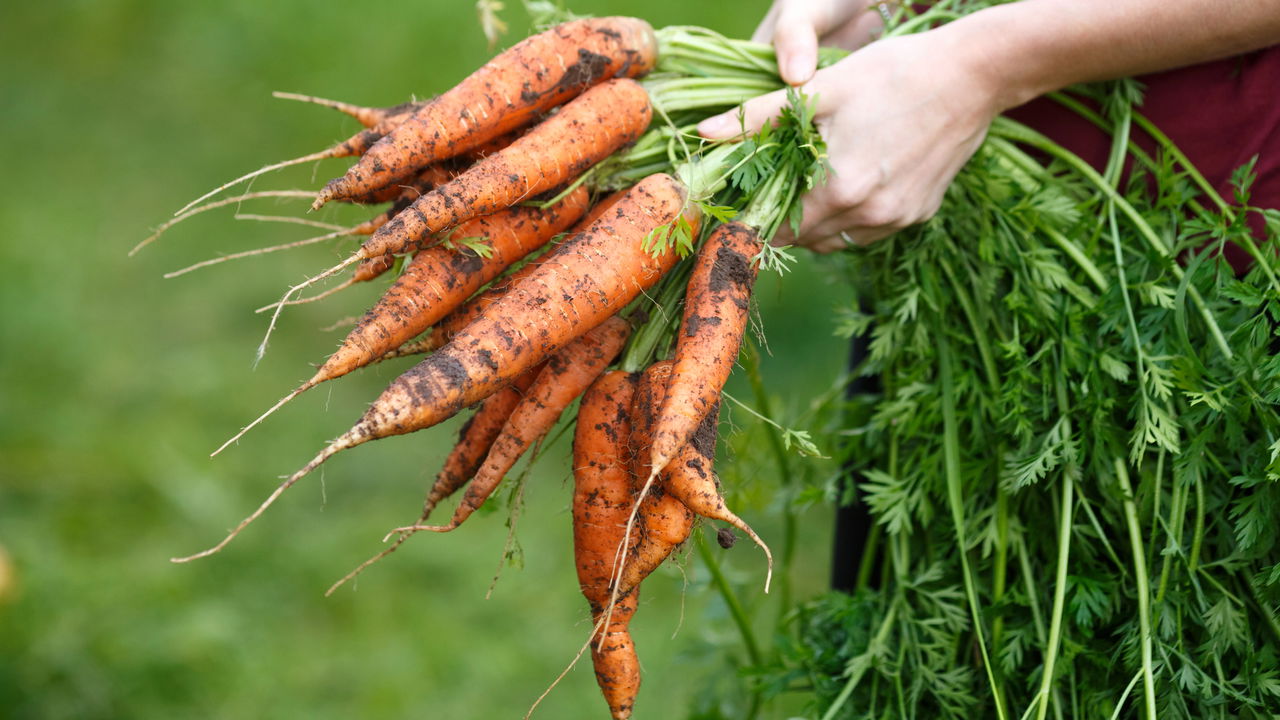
(797, 27)
(900, 116)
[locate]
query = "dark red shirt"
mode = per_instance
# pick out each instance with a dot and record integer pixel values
(1220, 114)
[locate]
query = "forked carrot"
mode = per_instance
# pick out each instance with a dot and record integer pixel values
(603, 488)
(662, 522)
(603, 491)
(690, 478)
(716, 306)
(614, 657)
(587, 279)
(510, 91)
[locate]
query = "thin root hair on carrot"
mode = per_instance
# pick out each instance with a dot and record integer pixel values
(341, 443)
(366, 115)
(262, 347)
(364, 565)
(340, 323)
(290, 219)
(595, 630)
(300, 194)
(620, 559)
(301, 388)
(312, 298)
(256, 252)
(321, 155)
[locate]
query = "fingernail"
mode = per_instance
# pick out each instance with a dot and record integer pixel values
(718, 126)
(799, 68)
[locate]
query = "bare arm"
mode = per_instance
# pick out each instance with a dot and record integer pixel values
(1036, 46)
(901, 116)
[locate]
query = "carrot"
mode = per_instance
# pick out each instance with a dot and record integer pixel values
(436, 281)
(715, 316)
(602, 496)
(367, 116)
(510, 91)
(602, 482)
(584, 132)
(573, 291)
(588, 129)
(439, 279)
(424, 181)
(663, 521)
(477, 437)
(567, 374)
(614, 658)
(472, 309)
(474, 440)
(690, 479)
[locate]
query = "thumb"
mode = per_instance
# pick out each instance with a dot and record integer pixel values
(795, 38)
(744, 120)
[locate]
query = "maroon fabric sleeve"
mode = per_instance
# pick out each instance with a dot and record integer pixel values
(1219, 113)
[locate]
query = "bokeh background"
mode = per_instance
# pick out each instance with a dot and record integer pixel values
(115, 384)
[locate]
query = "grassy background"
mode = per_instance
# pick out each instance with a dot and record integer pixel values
(115, 384)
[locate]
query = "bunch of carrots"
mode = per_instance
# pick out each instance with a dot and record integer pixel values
(546, 216)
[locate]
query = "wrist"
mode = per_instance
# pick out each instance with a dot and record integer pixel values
(1001, 50)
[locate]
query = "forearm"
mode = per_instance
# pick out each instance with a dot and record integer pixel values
(1026, 49)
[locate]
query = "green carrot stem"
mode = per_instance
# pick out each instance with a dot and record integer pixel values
(1144, 587)
(951, 454)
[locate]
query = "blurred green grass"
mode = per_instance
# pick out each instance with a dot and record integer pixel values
(116, 384)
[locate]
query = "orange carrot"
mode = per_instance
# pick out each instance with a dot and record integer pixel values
(573, 291)
(584, 132)
(602, 496)
(439, 279)
(587, 129)
(715, 316)
(510, 91)
(603, 488)
(663, 521)
(474, 440)
(614, 657)
(567, 374)
(472, 309)
(690, 479)
(435, 282)
(424, 181)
